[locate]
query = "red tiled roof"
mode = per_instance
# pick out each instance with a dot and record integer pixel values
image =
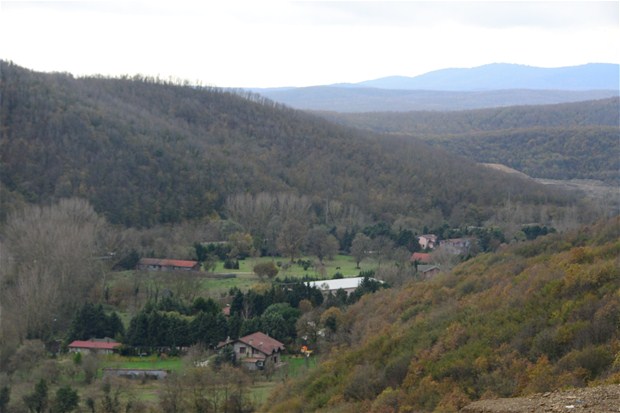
(167, 262)
(262, 342)
(94, 345)
(179, 263)
(421, 257)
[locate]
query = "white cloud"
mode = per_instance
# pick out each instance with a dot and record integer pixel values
(282, 43)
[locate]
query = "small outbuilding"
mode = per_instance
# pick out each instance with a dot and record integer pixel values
(427, 271)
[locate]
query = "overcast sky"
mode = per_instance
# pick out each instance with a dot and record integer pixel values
(232, 43)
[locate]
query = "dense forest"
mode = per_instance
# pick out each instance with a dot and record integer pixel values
(145, 151)
(533, 317)
(564, 141)
(603, 112)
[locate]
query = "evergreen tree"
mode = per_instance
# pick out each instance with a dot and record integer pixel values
(66, 400)
(114, 326)
(201, 327)
(137, 333)
(206, 306)
(36, 402)
(5, 397)
(236, 307)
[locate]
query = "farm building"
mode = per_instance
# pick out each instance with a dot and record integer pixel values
(427, 241)
(421, 258)
(94, 346)
(256, 351)
(348, 285)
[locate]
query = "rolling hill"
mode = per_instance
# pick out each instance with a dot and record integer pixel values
(143, 152)
(531, 318)
(564, 141)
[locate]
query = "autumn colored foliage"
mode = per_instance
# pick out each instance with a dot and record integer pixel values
(533, 317)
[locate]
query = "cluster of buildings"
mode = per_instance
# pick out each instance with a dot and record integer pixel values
(425, 262)
(255, 351)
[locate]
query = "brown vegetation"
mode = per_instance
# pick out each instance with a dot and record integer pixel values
(535, 317)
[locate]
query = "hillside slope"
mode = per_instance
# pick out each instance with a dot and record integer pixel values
(531, 318)
(144, 152)
(567, 141)
(601, 112)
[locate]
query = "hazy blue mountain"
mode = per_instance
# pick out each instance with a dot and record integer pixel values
(494, 85)
(499, 76)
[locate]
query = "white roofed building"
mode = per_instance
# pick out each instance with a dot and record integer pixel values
(348, 285)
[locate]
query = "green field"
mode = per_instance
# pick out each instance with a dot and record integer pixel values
(245, 279)
(343, 264)
(123, 284)
(150, 362)
(216, 287)
(294, 367)
(297, 366)
(148, 391)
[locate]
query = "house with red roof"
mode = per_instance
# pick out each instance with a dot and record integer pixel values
(160, 264)
(94, 346)
(421, 258)
(256, 351)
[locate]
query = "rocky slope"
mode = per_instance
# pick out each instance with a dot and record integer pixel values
(592, 400)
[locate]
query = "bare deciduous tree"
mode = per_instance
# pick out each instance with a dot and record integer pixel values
(321, 243)
(256, 212)
(291, 239)
(360, 248)
(57, 254)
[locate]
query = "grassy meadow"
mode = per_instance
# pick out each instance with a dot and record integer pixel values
(128, 288)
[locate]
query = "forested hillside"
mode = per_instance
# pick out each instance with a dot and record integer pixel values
(602, 112)
(144, 151)
(533, 317)
(566, 141)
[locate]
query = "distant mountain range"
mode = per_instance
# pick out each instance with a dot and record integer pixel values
(502, 76)
(494, 85)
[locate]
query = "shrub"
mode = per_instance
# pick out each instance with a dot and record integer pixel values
(593, 359)
(365, 383)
